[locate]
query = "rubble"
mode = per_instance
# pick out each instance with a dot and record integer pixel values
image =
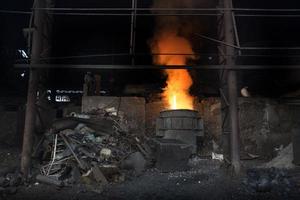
(105, 153)
(48, 180)
(135, 161)
(91, 150)
(265, 180)
(216, 156)
(9, 183)
(98, 175)
(284, 159)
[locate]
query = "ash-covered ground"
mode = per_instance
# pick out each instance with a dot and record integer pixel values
(154, 185)
(206, 179)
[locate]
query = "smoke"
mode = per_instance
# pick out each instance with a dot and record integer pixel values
(171, 49)
(169, 29)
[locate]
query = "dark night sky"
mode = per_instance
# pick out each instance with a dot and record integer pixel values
(84, 35)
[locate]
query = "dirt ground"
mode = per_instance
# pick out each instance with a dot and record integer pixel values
(154, 185)
(206, 180)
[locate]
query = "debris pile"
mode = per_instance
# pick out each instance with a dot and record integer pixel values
(91, 149)
(9, 183)
(266, 180)
(284, 159)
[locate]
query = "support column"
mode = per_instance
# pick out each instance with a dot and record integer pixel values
(229, 88)
(234, 121)
(232, 89)
(30, 115)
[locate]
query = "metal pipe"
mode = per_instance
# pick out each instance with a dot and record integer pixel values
(175, 9)
(137, 14)
(217, 41)
(270, 48)
(237, 39)
(165, 10)
(71, 149)
(149, 54)
(131, 28)
(142, 67)
(53, 155)
(133, 31)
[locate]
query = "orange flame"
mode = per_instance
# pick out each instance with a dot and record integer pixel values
(174, 50)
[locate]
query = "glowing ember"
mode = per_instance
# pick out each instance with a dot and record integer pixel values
(174, 50)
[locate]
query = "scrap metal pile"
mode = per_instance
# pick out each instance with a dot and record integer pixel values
(91, 148)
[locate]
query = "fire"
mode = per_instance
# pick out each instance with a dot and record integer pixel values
(174, 50)
(176, 93)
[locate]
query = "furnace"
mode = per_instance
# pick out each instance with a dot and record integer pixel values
(181, 124)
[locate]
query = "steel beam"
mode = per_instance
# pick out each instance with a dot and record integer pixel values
(141, 67)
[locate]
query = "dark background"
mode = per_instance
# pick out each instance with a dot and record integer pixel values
(86, 35)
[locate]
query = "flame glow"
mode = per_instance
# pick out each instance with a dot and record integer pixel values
(174, 50)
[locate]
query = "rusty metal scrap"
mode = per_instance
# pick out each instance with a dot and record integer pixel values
(88, 145)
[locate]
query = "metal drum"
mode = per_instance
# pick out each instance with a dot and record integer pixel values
(182, 124)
